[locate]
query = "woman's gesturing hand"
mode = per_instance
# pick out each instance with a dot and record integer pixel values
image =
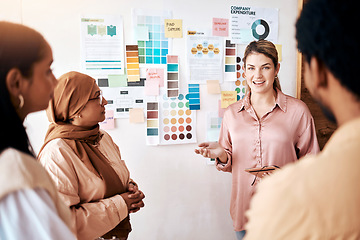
(212, 150)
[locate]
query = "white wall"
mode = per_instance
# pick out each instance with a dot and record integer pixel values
(185, 198)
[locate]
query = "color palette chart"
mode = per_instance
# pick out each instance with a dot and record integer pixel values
(230, 61)
(152, 123)
(172, 76)
(154, 50)
(132, 63)
(101, 30)
(194, 96)
(177, 122)
(240, 83)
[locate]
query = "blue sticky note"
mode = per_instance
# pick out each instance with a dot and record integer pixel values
(246, 35)
(141, 33)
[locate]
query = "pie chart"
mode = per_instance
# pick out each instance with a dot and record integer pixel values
(259, 25)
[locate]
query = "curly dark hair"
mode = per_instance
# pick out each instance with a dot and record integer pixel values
(327, 30)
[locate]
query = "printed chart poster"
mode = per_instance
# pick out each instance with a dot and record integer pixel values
(205, 57)
(102, 45)
(122, 99)
(252, 23)
(177, 123)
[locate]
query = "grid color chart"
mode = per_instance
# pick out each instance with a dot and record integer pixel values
(155, 50)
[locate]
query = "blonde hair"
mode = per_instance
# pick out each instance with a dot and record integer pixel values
(269, 50)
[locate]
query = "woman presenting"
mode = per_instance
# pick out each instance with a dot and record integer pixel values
(265, 128)
(85, 163)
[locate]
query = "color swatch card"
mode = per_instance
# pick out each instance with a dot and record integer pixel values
(194, 96)
(132, 63)
(152, 123)
(240, 88)
(172, 76)
(177, 121)
(230, 61)
(240, 83)
(154, 50)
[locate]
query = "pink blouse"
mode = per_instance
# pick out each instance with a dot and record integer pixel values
(281, 136)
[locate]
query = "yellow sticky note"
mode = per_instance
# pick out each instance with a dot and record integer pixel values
(173, 28)
(227, 98)
(279, 50)
(213, 86)
(136, 115)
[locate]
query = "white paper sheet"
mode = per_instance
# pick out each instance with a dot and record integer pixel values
(102, 45)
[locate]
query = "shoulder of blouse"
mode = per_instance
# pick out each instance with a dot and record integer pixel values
(297, 105)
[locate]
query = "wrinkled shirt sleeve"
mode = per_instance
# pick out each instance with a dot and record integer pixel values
(31, 214)
(225, 142)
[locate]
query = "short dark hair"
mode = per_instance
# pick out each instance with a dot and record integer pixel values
(325, 30)
(20, 47)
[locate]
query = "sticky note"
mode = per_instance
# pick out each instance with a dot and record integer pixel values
(141, 33)
(227, 98)
(173, 28)
(155, 74)
(279, 50)
(213, 86)
(136, 115)
(109, 122)
(246, 35)
(220, 27)
(117, 80)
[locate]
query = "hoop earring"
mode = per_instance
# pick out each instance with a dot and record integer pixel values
(21, 104)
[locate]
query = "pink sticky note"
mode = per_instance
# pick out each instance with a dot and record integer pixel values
(109, 122)
(155, 74)
(220, 27)
(152, 88)
(136, 115)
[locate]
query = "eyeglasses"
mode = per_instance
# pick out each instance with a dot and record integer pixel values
(99, 98)
(263, 170)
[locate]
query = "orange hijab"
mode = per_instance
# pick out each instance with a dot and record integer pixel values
(71, 94)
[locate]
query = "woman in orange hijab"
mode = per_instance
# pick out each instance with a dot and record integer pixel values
(85, 163)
